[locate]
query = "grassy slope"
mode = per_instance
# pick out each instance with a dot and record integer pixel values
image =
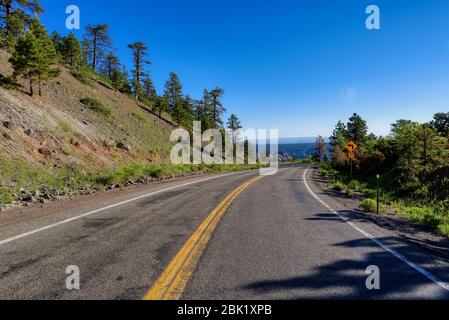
(55, 138)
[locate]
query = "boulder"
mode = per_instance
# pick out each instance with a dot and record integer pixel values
(8, 125)
(45, 151)
(124, 146)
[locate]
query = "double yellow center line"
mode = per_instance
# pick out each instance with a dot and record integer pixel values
(172, 282)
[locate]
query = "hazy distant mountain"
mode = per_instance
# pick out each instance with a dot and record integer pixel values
(299, 140)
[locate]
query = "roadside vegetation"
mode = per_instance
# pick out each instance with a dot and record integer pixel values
(412, 164)
(36, 185)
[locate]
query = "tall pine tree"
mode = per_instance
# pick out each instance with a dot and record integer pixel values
(34, 56)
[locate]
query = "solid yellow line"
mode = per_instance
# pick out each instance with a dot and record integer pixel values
(172, 282)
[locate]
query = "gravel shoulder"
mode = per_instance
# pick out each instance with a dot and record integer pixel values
(425, 237)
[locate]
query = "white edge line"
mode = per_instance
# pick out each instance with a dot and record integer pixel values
(51, 226)
(421, 270)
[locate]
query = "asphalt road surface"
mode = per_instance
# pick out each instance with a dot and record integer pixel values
(273, 238)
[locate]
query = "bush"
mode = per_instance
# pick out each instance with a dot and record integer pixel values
(444, 229)
(96, 106)
(81, 77)
(338, 186)
(369, 205)
(8, 82)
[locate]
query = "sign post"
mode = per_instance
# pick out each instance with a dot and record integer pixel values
(351, 147)
(378, 187)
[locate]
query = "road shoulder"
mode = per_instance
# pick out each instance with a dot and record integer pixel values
(424, 237)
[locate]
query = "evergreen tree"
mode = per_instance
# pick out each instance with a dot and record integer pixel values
(441, 124)
(173, 93)
(86, 50)
(160, 106)
(71, 52)
(357, 129)
(149, 90)
(338, 137)
(188, 112)
(97, 36)
(110, 65)
(203, 111)
(34, 56)
(216, 108)
(139, 52)
(58, 42)
(234, 123)
(15, 16)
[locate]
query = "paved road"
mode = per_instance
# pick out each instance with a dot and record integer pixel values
(275, 241)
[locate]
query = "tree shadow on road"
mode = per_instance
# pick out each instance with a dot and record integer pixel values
(345, 279)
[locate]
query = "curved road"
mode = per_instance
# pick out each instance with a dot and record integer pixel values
(276, 239)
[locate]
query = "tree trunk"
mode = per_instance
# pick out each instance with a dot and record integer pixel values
(40, 90)
(94, 59)
(31, 88)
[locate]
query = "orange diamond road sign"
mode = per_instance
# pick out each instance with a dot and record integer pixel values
(351, 147)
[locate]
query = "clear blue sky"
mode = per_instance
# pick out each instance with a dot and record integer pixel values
(299, 66)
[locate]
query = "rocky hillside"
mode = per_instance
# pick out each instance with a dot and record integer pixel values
(76, 127)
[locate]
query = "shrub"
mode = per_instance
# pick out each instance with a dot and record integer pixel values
(444, 229)
(8, 82)
(96, 106)
(81, 77)
(369, 205)
(338, 186)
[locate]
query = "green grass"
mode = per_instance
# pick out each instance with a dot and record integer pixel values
(85, 75)
(339, 186)
(369, 205)
(97, 106)
(16, 175)
(65, 127)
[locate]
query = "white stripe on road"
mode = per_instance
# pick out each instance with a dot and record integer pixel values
(54, 225)
(424, 272)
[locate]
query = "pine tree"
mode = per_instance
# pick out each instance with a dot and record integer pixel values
(357, 129)
(71, 51)
(203, 111)
(160, 106)
(34, 56)
(17, 14)
(149, 90)
(234, 123)
(86, 50)
(139, 52)
(110, 65)
(99, 42)
(173, 93)
(217, 108)
(338, 137)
